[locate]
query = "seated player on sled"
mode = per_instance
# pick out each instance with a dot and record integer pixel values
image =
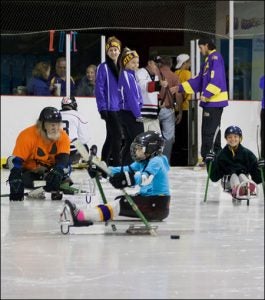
(233, 164)
(149, 170)
(41, 153)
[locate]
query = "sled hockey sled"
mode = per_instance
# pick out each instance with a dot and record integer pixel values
(236, 199)
(111, 227)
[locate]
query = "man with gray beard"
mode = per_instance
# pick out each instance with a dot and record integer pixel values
(41, 153)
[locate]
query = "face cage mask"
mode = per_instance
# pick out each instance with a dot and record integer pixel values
(134, 147)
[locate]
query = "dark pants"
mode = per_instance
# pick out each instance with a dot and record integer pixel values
(131, 129)
(154, 208)
(211, 118)
(112, 144)
(28, 177)
(179, 154)
(262, 132)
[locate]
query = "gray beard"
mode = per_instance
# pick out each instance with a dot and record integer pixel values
(53, 136)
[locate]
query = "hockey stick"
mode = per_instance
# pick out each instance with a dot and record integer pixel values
(93, 160)
(88, 158)
(210, 164)
(261, 171)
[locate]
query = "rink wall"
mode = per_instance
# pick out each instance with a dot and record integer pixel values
(19, 112)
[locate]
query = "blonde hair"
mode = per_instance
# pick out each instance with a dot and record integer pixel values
(40, 69)
(127, 55)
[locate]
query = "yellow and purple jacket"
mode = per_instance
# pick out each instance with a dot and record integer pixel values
(210, 82)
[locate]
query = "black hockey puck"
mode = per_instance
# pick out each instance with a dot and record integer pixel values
(174, 237)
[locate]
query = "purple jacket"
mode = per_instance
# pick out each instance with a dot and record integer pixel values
(211, 82)
(38, 86)
(106, 89)
(130, 93)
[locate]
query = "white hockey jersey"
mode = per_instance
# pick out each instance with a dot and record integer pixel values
(150, 100)
(76, 126)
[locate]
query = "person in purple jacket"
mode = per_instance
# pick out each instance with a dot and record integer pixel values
(107, 97)
(131, 102)
(261, 85)
(38, 84)
(211, 83)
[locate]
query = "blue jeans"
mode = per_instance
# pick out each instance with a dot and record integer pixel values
(167, 123)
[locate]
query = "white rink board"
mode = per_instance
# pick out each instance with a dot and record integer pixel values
(19, 112)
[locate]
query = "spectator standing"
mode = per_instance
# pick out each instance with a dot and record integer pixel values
(107, 97)
(148, 80)
(211, 83)
(261, 85)
(58, 80)
(168, 100)
(130, 102)
(75, 125)
(86, 87)
(38, 85)
(180, 147)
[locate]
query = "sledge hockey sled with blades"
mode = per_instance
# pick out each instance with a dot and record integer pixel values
(248, 188)
(250, 192)
(124, 226)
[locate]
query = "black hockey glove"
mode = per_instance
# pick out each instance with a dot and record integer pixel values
(122, 180)
(210, 157)
(16, 185)
(104, 115)
(54, 179)
(261, 163)
(93, 170)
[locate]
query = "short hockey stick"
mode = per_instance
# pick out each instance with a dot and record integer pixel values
(261, 171)
(85, 155)
(210, 164)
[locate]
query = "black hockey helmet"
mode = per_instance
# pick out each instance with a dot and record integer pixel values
(50, 114)
(69, 103)
(233, 130)
(152, 143)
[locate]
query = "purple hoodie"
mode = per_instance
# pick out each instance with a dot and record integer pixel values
(106, 89)
(130, 93)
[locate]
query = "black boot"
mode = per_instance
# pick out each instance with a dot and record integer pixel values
(74, 211)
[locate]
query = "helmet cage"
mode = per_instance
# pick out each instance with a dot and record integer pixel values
(151, 142)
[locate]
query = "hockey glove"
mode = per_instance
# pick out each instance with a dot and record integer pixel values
(92, 170)
(122, 180)
(54, 179)
(210, 157)
(16, 185)
(261, 164)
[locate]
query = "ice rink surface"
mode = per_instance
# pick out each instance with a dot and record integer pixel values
(220, 253)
